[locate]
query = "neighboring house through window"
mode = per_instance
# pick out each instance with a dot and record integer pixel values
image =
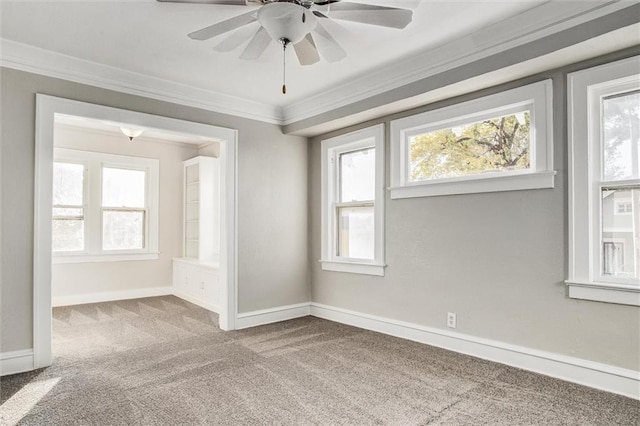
(604, 262)
(352, 202)
(105, 207)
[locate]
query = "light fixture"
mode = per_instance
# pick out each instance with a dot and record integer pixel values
(287, 23)
(131, 132)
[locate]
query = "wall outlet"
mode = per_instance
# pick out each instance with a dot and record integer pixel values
(451, 319)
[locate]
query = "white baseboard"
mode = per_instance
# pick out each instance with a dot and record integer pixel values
(268, 316)
(596, 375)
(80, 299)
(16, 362)
(196, 301)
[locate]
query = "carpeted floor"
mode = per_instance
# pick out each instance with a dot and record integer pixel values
(163, 361)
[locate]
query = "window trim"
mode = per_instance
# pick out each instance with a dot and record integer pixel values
(536, 98)
(583, 281)
(94, 162)
(331, 148)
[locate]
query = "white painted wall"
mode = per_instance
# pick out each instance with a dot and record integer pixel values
(71, 280)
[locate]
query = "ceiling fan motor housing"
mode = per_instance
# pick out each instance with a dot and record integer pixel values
(287, 21)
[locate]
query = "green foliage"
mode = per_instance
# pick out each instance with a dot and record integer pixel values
(496, 144)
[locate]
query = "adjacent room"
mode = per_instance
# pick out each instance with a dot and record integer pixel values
(257, 212)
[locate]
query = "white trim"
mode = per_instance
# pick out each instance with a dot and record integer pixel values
(189, 298)
(588, 373)
(541, 21)
(16, 362)
(80, 299)
(46, 109)
(32, 59)
(536, 98)
(584, 90)
(609, 293)
(353, 267)
(331, 148)
(69, 258)
(268, 316)
(513, 182)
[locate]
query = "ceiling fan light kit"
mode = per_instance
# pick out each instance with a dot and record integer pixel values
(295, 22)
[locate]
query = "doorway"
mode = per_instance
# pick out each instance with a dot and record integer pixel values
(51, 110)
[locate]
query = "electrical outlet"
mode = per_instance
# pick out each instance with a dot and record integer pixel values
(451, 319)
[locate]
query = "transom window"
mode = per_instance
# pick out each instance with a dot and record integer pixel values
(500, 142)
(105, 207)
(604, 219)
(352, 202)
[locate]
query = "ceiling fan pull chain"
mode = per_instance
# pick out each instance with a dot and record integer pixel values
(284, 67)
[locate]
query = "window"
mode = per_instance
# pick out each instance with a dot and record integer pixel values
(352, 202)
(500, 142)
(105, 207)
(604, 263)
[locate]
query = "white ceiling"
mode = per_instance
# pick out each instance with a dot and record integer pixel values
(150, 40)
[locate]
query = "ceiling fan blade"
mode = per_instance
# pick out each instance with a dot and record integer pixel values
(306, 51)
(235, 39)
(257, 45)
(327, 45)
(224, 26)
(229, 2)
(371, 14)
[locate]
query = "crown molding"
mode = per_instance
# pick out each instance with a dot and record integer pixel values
(35, 60)
(542, 21)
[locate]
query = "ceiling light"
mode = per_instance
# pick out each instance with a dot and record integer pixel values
(286, 23)
(131, 132)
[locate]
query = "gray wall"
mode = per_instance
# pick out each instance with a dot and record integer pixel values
(497, 259)
(272, 200)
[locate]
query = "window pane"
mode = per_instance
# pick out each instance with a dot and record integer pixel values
(123, 187)
(358, 175)
(356, 232)
(497, 144)
(68, 179)
(621, 136)
(620, 251)
(68, 213)
(122, 230)
(68, 235)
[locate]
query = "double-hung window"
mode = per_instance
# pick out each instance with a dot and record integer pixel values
(105, 207)
(604, 193)
(352, 202)
(500, 142)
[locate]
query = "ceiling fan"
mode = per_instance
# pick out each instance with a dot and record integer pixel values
(305, 24)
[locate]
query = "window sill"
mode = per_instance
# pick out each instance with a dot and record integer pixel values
(476, 184)
(609, 293)
(353, 268)
(83, 258)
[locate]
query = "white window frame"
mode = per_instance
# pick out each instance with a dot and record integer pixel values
(331, 149)
(94, 162)
(534, 98)
(586, 88)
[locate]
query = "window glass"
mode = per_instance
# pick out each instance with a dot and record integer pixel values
(68, 222)
(356, 232)
(123, 187)
(122, 230)
(492, 145)
(621, 136)
(68, 181)
(619, 233)
(357, 175)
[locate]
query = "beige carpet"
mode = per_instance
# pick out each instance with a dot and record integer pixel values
(162, 361)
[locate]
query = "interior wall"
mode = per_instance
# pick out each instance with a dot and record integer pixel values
(271, 186)
(71, 279)
(498, 260)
